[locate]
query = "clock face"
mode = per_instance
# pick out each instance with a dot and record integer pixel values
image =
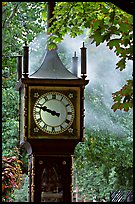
(53, 112)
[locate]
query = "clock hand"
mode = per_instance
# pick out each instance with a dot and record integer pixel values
(54, 113)
(44, 108)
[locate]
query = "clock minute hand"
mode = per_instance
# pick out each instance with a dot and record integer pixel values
(44, 108)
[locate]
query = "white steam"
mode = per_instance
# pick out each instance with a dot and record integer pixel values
(101, 72)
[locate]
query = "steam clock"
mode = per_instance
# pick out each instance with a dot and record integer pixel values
(51, 123)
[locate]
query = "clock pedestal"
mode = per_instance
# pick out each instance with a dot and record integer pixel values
(50, 170)
(50, 178)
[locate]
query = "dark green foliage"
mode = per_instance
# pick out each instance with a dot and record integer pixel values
(104, 162)
(19, 24)
(125, 94)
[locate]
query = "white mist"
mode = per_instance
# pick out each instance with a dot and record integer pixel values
(101, 72)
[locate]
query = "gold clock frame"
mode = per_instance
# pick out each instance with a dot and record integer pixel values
(34, 92)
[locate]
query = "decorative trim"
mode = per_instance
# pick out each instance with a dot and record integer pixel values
(33, 179)
(29, 178)
(71, 176)
(25, 111)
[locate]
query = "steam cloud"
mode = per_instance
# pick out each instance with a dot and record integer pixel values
(101, 72)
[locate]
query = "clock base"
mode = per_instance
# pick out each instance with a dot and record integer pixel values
(51, 178)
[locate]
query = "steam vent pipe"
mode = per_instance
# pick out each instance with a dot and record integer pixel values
(83, 60)
(19, 66)
(75, 64)
(25, 60)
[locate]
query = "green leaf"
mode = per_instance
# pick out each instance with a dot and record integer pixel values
(115, 106)
(44, 15)
(58, 39)
(97, 38)
(121, 64)
(52, 46)
(123, 27)
(130, 104)
(126, 106)
(105, 10)
(96, 24)
(113, 43)
(117, 98)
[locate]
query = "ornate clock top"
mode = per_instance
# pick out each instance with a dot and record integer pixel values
(52, 68)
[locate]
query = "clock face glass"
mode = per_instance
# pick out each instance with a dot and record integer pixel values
(53, 112)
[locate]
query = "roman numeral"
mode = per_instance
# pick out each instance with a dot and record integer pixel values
(45, 126)
(45, 97)
(67, 105)
(61, 127)
(39, 120)
(54, 96)
(69, 113)
(37, 111)
(67, 121)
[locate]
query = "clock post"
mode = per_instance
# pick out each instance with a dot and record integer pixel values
(51, 124)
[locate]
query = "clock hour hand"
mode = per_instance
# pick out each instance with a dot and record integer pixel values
(53, 112)
(44, 108)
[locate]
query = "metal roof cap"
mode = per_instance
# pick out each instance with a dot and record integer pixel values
(52, 68)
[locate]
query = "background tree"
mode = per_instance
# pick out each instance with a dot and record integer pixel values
(21, 21)
(104, 162)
